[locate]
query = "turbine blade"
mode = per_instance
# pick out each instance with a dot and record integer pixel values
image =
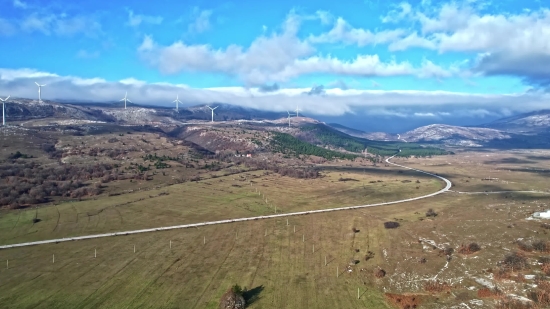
(6, 98)
(37, 84)
(129, 101)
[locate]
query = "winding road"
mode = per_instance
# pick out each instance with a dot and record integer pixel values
(50, 241)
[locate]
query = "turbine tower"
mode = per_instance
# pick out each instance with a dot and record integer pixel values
(4, 110)
(288, 118)
(39, 95)
(212, 111)
(297, 110)
(177, 100)
(125, 99)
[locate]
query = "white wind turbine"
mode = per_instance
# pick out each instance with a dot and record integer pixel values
(125, 99)
(297, 110)
(289, 114)
(39, 88)
(177, 100)
(212, 111)
(4, 110)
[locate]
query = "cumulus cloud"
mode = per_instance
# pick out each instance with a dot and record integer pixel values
(402, 10)
(19, 4)
(6, 28)
(84, 54)
(278, 57)
(201, 22)
(508, 44)
(61, 25)
(343, 32)
(332, 102)
(135, 20)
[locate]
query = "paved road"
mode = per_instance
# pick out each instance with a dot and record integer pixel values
(50, 241)
(500, 192)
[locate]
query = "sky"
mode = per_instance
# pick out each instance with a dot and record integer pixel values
(369, 64)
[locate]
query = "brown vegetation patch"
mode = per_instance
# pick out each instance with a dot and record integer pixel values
(489, 293)
(436, 286)
(391, 225)
(469, 249)
(403, 301)
(379, 273)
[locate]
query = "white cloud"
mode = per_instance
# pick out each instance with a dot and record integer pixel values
(424, 114)
(84, 54)
(336, 101)
(201, 22)
(61, 25)
(325, 17)
(402, 10)
(135, 20)
(19, 4)
(343, 32)
(278, 57)
(6, 28)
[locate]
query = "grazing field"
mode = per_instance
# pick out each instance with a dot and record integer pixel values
(212, 199)
(284, 269)
(282, 264)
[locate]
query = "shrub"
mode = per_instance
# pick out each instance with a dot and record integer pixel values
(379, 273)
(541, 246)
(431, 213)
(469, 249)
(515, 261)
(486, 292)
(525, 246)
(391, 225)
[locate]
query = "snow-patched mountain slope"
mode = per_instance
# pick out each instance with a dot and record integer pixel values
(537, 120)
(442, 132)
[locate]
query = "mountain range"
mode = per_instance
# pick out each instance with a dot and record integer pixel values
(524, 130)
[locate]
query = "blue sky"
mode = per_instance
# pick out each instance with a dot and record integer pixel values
(437, 61)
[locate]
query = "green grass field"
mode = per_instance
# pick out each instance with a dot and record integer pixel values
(283, 269)
(208, 200)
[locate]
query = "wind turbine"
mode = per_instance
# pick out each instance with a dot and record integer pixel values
(39, 87)
(4, 110)
(288, 118)
(212, 111)
(177, 100)
(297, 110)
(125, 99)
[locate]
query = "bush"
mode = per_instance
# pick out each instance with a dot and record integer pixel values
(469, 249)
(515, 261)
(391, 225)
(431, 213)
(541, 246)
(379, 273)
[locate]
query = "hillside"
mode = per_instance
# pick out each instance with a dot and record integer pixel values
(529, 122)
(454, 135)
(375, 136)
(326, 136)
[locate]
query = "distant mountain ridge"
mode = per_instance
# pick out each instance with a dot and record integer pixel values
(527, 122)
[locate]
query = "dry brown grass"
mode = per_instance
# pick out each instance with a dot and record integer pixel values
(489, 293)
(436, 286)
(403, 301)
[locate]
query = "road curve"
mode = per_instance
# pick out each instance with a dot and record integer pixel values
(50, 241)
